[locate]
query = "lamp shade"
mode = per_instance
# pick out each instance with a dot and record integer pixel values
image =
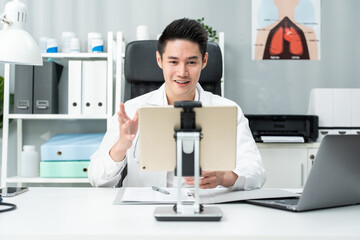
(18, 47)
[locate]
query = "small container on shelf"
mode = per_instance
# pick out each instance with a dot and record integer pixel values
(51, 45)
(75, 45)
(29, 165)
(66, 41)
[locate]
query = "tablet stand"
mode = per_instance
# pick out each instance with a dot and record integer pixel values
(188, 164)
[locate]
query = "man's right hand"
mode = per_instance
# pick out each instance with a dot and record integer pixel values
(128, 129)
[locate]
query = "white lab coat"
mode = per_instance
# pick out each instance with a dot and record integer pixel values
(104, 172)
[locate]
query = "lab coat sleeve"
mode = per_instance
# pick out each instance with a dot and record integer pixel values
(249, 168)
(103, 171)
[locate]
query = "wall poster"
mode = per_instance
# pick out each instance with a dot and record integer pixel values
(286, 29)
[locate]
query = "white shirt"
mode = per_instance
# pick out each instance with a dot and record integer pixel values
(105, 172)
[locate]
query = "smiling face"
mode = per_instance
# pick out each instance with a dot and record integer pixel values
(181, 63)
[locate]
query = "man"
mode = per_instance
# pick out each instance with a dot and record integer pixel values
(181, 55)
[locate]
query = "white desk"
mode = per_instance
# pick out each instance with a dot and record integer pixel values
(89, 213)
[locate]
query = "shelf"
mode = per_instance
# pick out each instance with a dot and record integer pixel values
(76, 55)
(27, 120)
(19, 179)
(55, 116)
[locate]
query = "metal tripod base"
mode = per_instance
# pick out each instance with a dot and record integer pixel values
(168, 214)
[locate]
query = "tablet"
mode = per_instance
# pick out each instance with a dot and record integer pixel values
(157, 145)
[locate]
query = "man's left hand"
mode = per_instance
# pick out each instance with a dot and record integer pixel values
(214, 179)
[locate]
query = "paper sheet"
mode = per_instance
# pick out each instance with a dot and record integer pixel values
(149, 196)
(282, 139)
(132, 195)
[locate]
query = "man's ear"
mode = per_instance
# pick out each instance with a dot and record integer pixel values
(158, 59)
(205, 60)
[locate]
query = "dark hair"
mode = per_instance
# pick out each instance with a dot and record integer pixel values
(186, 29)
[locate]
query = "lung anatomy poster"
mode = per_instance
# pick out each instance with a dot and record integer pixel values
(286, 29)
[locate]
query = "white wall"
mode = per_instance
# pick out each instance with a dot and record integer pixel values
(257, 86)
(281, 87)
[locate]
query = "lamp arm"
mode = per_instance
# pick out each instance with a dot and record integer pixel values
(5, 20)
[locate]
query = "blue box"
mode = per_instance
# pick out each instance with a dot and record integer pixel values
(71, 146)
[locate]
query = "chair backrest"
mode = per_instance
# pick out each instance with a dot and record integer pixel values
(143, 75)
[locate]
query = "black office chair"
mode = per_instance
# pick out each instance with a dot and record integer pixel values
(143, 75)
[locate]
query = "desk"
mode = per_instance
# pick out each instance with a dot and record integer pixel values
(89, 213)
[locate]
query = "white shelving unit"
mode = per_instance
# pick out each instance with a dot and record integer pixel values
(54, 116)
(111, 58)
(18, 180)
(76, 55)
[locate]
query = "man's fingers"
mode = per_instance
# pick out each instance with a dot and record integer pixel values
(128, 127)
(123, 112)
(121, 119)
(135, 121)
(202, 182)
(188, 178)
(136, 117)
(122, 107)
(204, 174)
(125, 127)
(208, 173)
(208, 180)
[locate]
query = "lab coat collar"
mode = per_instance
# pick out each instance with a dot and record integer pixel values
(158, 98)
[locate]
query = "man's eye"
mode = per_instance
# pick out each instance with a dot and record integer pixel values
(173, 62)
(192, 62)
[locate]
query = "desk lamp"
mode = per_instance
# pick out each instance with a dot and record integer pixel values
(16, 45)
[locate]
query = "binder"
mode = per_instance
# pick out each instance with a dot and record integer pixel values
(74, 88)
(94, 75)
(24, 89)
(46, 80)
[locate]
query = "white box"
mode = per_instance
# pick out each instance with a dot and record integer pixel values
(355, 108)
(342, 107)
(321, 104)
(336, 107)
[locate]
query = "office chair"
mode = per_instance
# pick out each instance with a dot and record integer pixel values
(142, 74)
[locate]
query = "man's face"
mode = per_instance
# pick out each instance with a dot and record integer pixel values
(181, 64)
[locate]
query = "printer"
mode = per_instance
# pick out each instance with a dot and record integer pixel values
(284, 128)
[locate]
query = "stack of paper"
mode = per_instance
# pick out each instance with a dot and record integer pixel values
(132, 195)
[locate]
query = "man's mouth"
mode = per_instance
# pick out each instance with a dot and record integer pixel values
(181, 82)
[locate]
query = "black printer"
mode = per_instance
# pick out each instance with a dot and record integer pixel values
(284, 128)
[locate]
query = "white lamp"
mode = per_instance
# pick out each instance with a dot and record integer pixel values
(16, 45)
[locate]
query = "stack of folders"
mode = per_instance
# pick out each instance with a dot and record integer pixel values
(87, 87)
(36, 88)
(68, 155)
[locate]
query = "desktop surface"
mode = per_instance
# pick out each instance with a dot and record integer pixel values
(89, 213)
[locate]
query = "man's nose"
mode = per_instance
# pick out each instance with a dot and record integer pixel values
(182, 70)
